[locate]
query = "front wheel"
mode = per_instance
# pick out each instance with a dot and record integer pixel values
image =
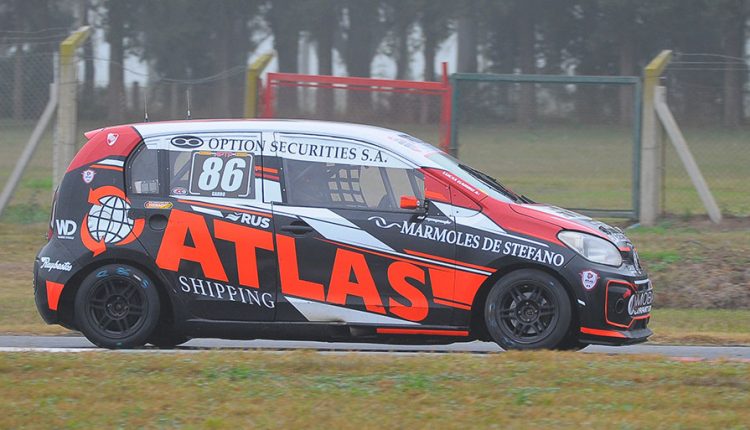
(117, 306)
(527, 309)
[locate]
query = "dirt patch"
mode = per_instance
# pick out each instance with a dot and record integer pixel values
(697, 264)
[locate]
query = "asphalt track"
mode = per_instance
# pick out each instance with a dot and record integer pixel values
(80, 344)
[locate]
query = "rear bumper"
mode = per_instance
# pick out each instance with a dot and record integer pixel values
(41, 297)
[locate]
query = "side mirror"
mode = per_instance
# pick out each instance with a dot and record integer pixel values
(410, 202)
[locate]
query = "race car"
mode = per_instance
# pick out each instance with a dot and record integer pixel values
(309, 230)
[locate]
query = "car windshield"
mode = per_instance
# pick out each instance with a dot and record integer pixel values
(482, 181)
(474, 177)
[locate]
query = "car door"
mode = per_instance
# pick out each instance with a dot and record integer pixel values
(205, 228)
(348, 252)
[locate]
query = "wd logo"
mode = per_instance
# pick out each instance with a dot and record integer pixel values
(65, 228)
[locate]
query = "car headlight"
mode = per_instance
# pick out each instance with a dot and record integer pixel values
(592, 248)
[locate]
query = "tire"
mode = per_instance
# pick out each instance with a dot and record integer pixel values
(528, 309)
(165, 337)
(571, 343)
(117, 307)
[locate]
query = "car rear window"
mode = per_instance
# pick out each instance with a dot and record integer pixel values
(144, 171)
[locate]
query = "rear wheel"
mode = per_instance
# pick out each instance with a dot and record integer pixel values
(528, 309)
(117, 306)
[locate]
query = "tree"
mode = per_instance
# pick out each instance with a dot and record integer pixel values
(286, 20)
(435, 21)
(324, 20)
(116, 21)
(467, 38)
(205, 56)
(363, 34)
(526, 13)
(400, 18)
(734, 17)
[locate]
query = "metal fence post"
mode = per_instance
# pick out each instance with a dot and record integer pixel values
(67, 116)
(454, 83)
(652, 161)
(253, 76)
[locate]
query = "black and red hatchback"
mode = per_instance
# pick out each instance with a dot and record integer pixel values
(161, 232)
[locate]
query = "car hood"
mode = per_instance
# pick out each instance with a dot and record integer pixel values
(569, 220)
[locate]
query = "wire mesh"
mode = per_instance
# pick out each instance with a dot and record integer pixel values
(414, 111)
(26, 72)
(708, 96)
(565, 144)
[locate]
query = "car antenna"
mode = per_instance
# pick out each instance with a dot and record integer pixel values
(145, 106)
(187, 92)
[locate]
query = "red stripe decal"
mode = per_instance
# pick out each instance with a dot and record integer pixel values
(103, 166)
(267, 170)
(597, 332)
(422, 332)
(451, 304)
(53, 294)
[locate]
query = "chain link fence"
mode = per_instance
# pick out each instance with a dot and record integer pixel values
(147, 96)
(26, 71)
(708, 96)
(567, 141)
(417, 108)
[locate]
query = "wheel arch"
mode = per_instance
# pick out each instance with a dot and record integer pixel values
(477, 324)
(66, 307)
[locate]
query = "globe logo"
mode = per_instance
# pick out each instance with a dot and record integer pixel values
(108, 221)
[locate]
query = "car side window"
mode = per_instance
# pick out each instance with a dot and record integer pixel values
(339, 185)
(144, 171)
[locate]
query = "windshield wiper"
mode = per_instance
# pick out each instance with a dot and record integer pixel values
(492, 182)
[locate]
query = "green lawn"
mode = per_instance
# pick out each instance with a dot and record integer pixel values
(313, 390)
(591, 167)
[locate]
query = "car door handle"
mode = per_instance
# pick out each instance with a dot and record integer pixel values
(297, 227)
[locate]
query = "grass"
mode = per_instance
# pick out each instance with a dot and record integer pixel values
(591, 166)
(313, 390)
(701, 326)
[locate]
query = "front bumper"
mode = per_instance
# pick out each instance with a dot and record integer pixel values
(616, 308)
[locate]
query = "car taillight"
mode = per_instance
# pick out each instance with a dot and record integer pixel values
(52, 217)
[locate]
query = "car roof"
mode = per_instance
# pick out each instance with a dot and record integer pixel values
(396, 141)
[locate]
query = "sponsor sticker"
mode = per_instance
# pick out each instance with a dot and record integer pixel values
(106, 222)
(249, 219)
(65, 266)
(640, 302)
(158, 205)
(88, 175)
(112, 138)
(65, 228)
(179, 191)
(186, 141)
(206, 288)
(589, 278)
(471, 240)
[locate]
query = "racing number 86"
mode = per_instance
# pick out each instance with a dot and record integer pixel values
(230, 177)
(219, 176)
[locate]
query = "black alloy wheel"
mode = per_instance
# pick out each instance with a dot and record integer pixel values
(528, 309)
(117, 306)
